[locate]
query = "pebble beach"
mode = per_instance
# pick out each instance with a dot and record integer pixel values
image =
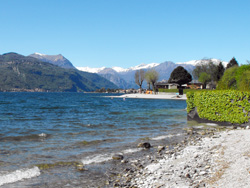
(214, 157)
(205, 158)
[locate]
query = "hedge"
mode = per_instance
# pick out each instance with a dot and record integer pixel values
(221, 105)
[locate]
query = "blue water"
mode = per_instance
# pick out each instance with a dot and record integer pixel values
(50, 127)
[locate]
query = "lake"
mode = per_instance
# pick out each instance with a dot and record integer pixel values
(45, 135)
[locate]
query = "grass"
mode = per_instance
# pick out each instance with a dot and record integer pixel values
(176, 90)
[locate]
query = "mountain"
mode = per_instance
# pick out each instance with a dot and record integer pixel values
(124, 78)
(195, 62)
(58, 60)
(26, 73)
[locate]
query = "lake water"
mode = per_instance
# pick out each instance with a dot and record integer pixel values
(54, 131)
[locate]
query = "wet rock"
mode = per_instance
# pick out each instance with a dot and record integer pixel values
(145, 145)
(80, 167)
(117, 157)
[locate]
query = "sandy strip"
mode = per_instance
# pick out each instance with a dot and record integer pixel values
(172, 96)
(222, 160)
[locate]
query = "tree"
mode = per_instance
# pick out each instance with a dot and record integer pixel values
(139, 78)
(220, 71)
(180, 76)
(232, 63)
(208, 67)
(152, 76)
(228, 81)
(204, 79)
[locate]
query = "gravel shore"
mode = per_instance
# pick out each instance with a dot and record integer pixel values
(205, 158)
(153, 96)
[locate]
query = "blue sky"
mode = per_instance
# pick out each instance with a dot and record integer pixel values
(126, 33)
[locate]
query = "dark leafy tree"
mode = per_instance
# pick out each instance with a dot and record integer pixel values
(232, 63)
(220, 71)
(180, 76)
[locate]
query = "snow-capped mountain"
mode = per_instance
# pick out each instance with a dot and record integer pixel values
(91, 70)
(195, 62)
(124, 77)
(119, 69)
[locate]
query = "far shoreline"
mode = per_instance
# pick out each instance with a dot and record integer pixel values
(169, 96)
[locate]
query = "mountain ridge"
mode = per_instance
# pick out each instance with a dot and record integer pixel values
(58, 60)
(26, 73)
(124, 78)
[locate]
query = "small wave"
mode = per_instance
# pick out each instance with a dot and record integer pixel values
(42, 135)
(165, 136)
(97, 159)
(106, 157)
(19, 175)
(131, 150)
(33, 137)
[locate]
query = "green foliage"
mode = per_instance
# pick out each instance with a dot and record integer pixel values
(236, 78)
(180, 76)
(222, 106)
(242, 77)
(232, 63)
(151, 77)
(228, 81)
(244, 81)
(206, 67)
(190, 101)
(177, 91)
(220, 71)
(20, 73)
(204, 78)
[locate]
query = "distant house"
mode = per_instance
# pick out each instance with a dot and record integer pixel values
(165, 85)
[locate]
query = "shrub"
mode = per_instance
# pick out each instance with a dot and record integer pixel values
(222, 106)
(228, 81)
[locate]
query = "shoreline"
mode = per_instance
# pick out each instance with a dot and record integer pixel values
(170, 96)
(205, 158)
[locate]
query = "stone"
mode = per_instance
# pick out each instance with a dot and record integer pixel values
(80, 167)
(145, 145)
(117, 157)
(188, 175)
(160, 148)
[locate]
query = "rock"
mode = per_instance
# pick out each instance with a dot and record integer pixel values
(80, 167)
(117, 157)
(202, 173)
(188, 175)
(124, 161)
(160, 148)
(145, 145)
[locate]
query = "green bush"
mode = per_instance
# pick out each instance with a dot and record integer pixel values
(222, 106)
(236, 78)
(228, 81)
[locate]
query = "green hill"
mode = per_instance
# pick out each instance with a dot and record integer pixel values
(24, 73)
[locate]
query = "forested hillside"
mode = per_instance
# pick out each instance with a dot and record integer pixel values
(21, 73)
